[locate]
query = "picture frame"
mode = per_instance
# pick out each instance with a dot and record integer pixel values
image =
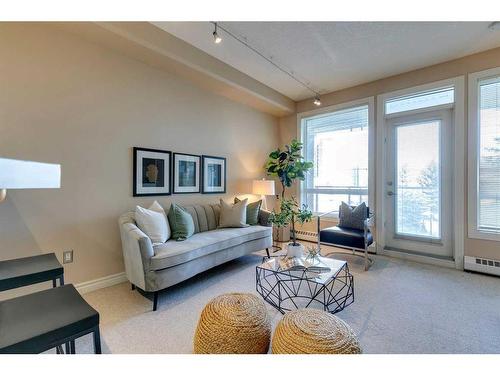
(214, 174)
(151, 172)
(186, 173)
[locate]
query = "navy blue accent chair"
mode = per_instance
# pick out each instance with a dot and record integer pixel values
(348, 238)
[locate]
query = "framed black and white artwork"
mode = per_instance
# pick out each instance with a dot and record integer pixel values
(151, 172)
(214, 174)
(186, 173)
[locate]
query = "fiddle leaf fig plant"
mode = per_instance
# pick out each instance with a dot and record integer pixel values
(288, 165)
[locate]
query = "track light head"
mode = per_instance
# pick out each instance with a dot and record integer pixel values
(317, 101)
(217, 38)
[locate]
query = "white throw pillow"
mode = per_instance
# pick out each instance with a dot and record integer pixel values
(153, 222)
(233, 215)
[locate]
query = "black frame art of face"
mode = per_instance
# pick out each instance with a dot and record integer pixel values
(151, 174)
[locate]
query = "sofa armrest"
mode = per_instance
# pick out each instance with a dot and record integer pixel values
(145, 245)
(264, 218)
(137, 252)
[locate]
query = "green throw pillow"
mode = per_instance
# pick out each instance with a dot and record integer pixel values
(181, 223)
(252, 211)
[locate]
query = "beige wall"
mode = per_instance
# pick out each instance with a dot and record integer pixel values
(65, 100)
(454, 68)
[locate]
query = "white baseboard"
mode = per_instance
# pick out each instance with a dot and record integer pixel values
(102, 282)
(419, 258)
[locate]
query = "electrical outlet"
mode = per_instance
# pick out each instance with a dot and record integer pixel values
(68, 256)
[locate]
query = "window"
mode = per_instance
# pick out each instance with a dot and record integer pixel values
(337, 144)
(485, 151)
(418, 179)
(421, 100)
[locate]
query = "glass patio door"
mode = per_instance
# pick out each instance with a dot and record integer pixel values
(418, 186)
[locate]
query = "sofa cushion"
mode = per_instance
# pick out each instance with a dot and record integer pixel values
(181, 223)
(172, 253)
(233, 215)
(153, 222)
(205, 216)
(252, 211)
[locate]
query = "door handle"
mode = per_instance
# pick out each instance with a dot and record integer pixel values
(390, 193)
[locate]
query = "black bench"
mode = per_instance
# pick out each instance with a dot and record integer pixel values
(44, 320)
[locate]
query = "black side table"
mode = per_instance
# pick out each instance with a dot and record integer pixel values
(16, 273)
(44, 320)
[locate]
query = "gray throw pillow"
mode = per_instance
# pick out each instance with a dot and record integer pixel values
(252, 211)
(352, 218)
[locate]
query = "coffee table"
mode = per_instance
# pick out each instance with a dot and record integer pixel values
(286, 290)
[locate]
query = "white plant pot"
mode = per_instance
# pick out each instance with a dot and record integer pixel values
(294, 251)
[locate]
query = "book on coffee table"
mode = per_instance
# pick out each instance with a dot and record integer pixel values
(303, 264)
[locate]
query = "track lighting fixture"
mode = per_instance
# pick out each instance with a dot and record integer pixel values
(270, 60)
(217, 38)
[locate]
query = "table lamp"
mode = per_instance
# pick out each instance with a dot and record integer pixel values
(263, 187)
(22, 174)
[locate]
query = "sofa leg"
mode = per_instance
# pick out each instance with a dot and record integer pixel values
(155, 301)
(267, 251)
(132, 286)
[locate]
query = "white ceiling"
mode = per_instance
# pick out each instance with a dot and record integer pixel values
(334, 55)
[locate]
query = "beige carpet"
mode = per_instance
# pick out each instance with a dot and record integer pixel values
(400, 307)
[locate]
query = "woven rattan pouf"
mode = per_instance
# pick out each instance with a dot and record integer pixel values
(311, 331)
(233, 323)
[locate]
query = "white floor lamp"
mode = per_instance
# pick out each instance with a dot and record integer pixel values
(22, 174)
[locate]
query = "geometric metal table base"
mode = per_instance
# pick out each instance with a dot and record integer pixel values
(288, 290)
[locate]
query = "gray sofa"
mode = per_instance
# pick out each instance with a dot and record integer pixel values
(153, 268)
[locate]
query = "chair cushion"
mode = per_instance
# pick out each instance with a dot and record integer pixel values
(172, 253)
(353, 217)
(344, 237)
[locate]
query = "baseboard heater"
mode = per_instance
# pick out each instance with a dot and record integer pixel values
(306, 235)
(490, 266)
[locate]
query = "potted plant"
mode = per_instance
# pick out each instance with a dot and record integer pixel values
(288, 165)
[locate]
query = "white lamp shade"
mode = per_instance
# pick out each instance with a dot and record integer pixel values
(21, 174)
(263, 187)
